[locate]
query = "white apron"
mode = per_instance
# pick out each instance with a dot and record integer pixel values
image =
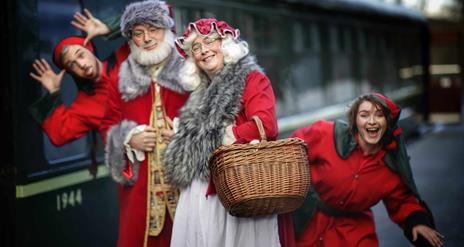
(202, 221)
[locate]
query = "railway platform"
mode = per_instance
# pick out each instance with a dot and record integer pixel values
(437, 160)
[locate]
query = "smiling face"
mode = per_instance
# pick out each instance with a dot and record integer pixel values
(81, 62)
(153, 52)
(147, 36)
(371, 124)
(208, 55)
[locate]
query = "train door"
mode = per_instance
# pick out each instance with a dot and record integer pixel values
(57, 203)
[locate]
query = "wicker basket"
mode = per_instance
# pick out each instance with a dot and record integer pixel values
(271, 177)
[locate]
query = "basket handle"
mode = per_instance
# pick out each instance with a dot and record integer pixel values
(259, 123)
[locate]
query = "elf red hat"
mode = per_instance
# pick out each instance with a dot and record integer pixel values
(394, 109)
(394, 114)
(204, 27)
(71, 40)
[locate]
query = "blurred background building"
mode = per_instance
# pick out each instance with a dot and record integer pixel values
(446, 24)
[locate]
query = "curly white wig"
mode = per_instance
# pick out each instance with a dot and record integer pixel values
(232, 49)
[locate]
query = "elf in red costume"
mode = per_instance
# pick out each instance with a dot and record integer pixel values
(64, 124)
(92, 76)
(353, 167)
(141, 105)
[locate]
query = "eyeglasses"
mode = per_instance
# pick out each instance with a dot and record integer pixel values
(207, 42)
(151, 32)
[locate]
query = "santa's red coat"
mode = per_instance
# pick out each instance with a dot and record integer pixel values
(133, 199)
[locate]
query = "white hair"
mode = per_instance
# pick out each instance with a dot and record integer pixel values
(156, 56)
(189, 75)
(232, 50)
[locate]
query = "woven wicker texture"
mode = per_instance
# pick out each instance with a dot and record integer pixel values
(271, 177)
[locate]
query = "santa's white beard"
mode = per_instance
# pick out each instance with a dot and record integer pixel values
(156, 55)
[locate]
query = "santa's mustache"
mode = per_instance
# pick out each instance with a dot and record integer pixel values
(149, 44)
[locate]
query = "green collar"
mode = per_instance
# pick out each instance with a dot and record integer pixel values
(397, 160)
(345, 142)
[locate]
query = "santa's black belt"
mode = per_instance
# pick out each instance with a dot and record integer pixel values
(328, 210)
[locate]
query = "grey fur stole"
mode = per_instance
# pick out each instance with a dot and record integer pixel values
(135, 79)
(209, 109)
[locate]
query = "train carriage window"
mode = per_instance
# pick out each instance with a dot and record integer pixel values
(246, 22)
(298, 38)
(341, 41)
(382, 43)
(300, 85)
(389, 42)
(348, 39)
(209, 14)
(339, 80)
(268, 37)
(362, 40)
(334, 39)
(305, 37)
(183, 16)
(54, 18)
(54, 21)
(315, 37)
(379, 43)
(179, 19)
(408, 52)
(371, 42)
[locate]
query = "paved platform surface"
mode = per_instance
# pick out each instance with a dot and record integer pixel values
(437, 160)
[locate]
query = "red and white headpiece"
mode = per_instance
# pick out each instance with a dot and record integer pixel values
(203, 27)
(71, 40)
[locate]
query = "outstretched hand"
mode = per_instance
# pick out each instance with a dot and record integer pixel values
(89, 24)
(46, 76)
(432, 236)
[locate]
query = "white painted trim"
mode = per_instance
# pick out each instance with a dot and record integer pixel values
(59, 182)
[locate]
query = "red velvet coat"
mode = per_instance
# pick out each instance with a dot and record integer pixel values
(257, 99)
(133, 198)
(355, 184)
